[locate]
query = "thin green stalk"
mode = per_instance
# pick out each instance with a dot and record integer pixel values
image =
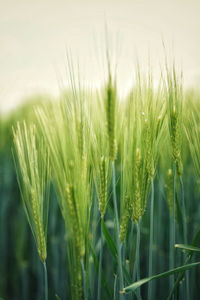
(135, 262)
(25, 282)
(130, 251)
(131, 244)
(178, 279)
(170, 248)
(45, 282)
(117, 228)
(184, 232)
(160, 237)
(151, 240)
(136, 270)
(138, 258)
(84, 280)
(172, 229)
(115, 287)
(123, 251)
(174, 203)
(184, 212)
(100, 265)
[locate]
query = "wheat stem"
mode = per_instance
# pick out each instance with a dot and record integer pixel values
(138, 258)
(177, 282)
(100, 264)
(84, 280)
(45, 282)
(117, 229)
(184, 232)
(115, 287)
(172, 228)
(136, 270)
(131, 243)
(151, 240)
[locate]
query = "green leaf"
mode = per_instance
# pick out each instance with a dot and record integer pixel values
(196, 238)
(96, 264)
(109, 240)
(190, 254)
(58, 298)
(179, 216)
(126, 275)
(187, 247)
(135, 285)
(113, 249)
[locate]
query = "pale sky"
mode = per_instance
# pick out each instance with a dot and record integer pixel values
(34, 37)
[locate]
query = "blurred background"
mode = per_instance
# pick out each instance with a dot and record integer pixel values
(35, 35)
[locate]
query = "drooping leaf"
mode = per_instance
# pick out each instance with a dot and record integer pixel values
(181, 275)
(187, 247)
(113, 249)
(96, 264)
(109, 240)
(135, 285)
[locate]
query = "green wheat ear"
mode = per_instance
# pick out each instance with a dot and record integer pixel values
(175, 138)
(79, 128)
(137, 209)
(103, 186)
(75, 221)
(33, 177)
(110, 117)
(125, 219)
(149, 154)
(175, 96)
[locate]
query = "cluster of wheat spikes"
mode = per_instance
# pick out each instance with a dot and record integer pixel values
(102, 157)
(33, 177)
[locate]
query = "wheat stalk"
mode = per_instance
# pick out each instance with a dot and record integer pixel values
(33, 171)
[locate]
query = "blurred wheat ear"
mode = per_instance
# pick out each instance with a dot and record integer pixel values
(33, 173)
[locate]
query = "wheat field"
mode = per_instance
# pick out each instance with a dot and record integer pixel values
(100, 195)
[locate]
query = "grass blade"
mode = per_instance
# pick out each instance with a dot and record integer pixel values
(96, 264)
(135, 285)
(187, 247)
(109, 240)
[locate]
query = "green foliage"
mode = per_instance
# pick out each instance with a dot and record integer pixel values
(78, 137)
(33, 179)
(136, 285)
